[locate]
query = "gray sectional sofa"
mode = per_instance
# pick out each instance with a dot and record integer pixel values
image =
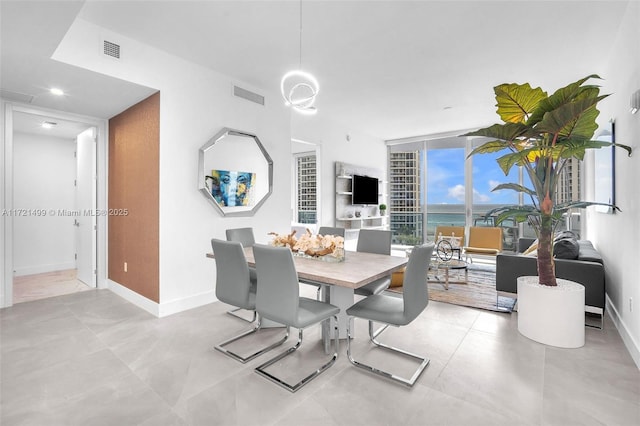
(587, 269)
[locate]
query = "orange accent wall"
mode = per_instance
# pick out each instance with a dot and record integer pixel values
(134, 154)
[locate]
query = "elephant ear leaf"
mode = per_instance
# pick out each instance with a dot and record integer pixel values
(517, 101)
(563, 96)
(574, 119)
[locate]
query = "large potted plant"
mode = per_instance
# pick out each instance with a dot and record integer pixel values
(541, 133)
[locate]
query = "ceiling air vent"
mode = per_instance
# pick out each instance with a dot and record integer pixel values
(248, 95)
(16, 96)
(111, 49)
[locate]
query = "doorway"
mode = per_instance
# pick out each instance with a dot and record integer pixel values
(51, 185)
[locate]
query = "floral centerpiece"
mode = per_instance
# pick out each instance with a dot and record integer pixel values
(329, 248)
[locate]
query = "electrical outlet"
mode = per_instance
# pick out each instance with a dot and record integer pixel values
(125, 266)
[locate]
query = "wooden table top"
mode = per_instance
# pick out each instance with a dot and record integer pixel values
(357, 270)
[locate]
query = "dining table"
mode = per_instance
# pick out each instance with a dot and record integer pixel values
(340, 279)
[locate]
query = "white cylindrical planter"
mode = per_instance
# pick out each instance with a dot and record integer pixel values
(551, 315)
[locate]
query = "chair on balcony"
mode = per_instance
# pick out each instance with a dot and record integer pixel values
(457, 232)
(483, 241)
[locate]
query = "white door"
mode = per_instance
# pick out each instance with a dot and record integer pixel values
(86, 207)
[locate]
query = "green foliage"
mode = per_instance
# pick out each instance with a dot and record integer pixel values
(541, 133)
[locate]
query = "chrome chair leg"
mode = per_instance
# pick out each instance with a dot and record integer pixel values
(372, 334)
(261, 369)
(232, 312)
(221, 347)
(407, 382)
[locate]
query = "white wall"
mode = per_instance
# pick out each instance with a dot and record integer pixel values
(617, 236)
(361, 149)
(44, 174)
(5, 236)
(195, 103)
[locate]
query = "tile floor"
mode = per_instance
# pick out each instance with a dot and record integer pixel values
(91, 358)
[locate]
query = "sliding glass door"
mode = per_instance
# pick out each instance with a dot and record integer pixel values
(446, 188)
(487, 175)
(433, 183)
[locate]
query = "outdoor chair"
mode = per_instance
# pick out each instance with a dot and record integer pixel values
(483, 241)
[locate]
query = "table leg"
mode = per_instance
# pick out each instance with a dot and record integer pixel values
(343, 298)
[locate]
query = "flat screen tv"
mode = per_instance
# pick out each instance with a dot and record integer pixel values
(364, 190)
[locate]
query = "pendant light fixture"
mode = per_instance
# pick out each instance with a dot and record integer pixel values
(299, 88)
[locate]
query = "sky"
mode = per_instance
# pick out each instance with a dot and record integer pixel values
(445, 178)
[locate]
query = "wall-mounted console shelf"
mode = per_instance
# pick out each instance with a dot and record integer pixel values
(346, 210)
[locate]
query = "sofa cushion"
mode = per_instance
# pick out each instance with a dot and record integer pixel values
(397, 278)
(588, 253)
(566, 248)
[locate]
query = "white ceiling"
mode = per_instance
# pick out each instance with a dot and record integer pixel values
(391, 69)
(63, 129)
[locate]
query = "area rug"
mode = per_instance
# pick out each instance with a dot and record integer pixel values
(479, 291)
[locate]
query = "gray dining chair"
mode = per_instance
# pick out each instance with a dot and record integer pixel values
(390, 310)
(279, 300)
(331, 230)
(379, 242)
(234, 287)
(242, 235)
(245, 237)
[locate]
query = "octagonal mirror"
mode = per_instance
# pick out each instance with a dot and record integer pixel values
(235, 172)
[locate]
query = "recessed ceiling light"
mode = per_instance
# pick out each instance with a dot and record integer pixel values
(56, 91)
(48, 124)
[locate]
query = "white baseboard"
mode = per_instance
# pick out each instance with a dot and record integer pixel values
(41, 269)
(186, 303)
(162, 309)
(629, 341)
(131, 296)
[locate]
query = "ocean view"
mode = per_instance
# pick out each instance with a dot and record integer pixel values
(452, 215)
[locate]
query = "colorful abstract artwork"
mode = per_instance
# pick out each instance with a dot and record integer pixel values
(232, 188)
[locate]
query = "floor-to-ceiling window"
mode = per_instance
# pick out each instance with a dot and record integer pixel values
(306, 188)
(432, 183)
(486, 175)
(446, 186)
(429, 183)
(405, 205)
